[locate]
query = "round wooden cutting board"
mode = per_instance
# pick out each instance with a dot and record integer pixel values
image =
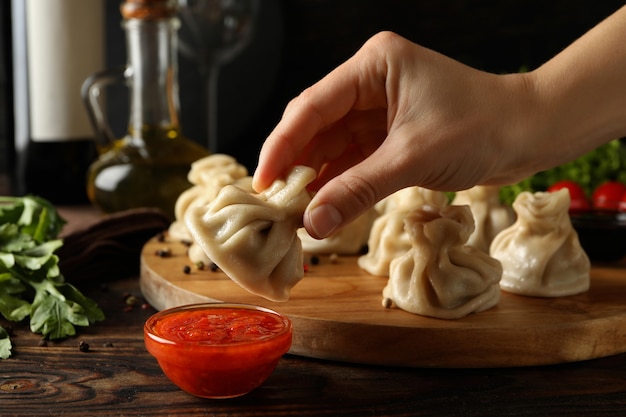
(337, 314)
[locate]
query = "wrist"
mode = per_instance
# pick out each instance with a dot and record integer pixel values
(519, 130)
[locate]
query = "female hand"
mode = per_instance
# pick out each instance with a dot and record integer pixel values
(397, 115)
(394, 115)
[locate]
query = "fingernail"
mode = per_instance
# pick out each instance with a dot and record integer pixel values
(324, 219)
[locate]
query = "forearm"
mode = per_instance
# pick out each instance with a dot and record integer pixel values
(581, 92)
(397, 114)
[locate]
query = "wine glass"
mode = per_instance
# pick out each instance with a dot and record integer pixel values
(212, 33)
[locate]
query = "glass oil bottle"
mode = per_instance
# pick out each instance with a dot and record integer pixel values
(148, 166)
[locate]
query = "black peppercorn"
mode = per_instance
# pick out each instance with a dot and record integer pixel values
(163, 253)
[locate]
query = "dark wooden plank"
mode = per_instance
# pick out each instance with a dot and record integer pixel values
(118, 377)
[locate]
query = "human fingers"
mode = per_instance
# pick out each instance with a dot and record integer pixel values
(419, 153)
(345, 195)
(304, 117)
(359, 84)
(358, 133)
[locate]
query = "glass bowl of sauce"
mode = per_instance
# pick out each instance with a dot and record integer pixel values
(218, 350)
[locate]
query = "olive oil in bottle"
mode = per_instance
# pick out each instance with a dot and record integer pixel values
(148, 167)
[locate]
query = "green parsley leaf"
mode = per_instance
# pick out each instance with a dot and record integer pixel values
(31, 284)
(5, 344)
(36, 216)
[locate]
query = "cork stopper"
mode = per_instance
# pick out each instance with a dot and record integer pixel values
(148, 9)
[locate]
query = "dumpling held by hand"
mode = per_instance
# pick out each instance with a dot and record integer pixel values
(252, 237)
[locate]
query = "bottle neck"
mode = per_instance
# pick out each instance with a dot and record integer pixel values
(152, 60)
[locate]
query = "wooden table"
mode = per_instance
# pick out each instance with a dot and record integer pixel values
(118, 377)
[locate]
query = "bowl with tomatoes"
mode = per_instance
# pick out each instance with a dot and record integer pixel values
(599, 219)
(218, 350)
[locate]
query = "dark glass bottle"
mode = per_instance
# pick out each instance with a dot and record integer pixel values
(6, 97)
(56, 44)
(148, 167)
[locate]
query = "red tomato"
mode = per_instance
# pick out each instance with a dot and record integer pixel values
(579, 200)
(608, 195)
(622, 204)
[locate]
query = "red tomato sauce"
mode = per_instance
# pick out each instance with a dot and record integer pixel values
(223, 326)
(218, 352)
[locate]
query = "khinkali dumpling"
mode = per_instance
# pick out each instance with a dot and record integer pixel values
(350, 240)
(208, 175)
(490, 215)
(540, 253)
(388, 238)
(441, 276)
(216, 169)
(252, 237)
(410, 198)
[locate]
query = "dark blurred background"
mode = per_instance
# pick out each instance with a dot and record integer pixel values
(297, 42)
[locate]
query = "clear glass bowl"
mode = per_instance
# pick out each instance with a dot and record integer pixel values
(218, 350)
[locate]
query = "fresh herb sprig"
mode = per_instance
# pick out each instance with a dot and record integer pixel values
(31, 283)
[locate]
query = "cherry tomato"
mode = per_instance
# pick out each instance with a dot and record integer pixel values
(622, 204)
(578, 198)
(608, 195)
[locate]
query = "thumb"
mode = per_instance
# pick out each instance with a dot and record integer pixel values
(345, 197)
